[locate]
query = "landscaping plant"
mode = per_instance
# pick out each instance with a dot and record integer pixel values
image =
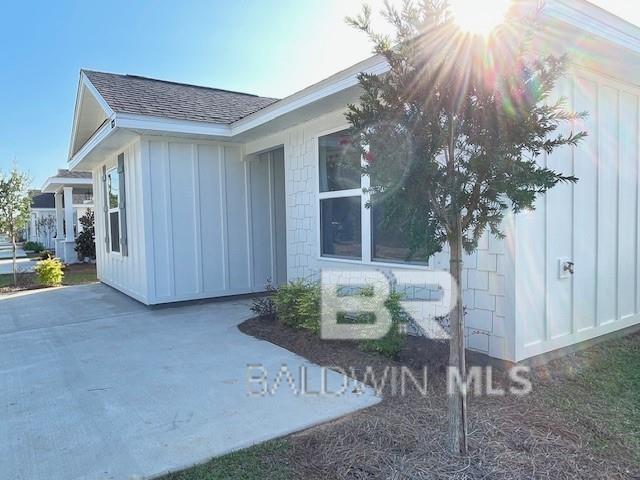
(50, 272)
(35, 247)
(298, 305)
(15, 204)
(451, 134)
(264, 306)
(86, 241)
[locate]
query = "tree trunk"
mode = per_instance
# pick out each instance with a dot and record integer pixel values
(15, 269)
(457, 401)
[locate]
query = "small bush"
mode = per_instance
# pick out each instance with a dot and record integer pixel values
(36, 247)
(391, 344)
(265, 306)
(50, 272)
(298, 305)
(46, 255)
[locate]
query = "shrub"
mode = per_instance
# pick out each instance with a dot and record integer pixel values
(50, 272)
(298, 305)
(391, 344)
(85, 242)
(36, 247)
(265, 306)
(46, 255)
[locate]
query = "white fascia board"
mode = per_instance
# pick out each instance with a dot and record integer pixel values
(594, 20)
(53, 184)
(85, 83)
(162, 124)
(376, 65)
(102, 133)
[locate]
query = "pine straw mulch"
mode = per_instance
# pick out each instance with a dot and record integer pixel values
(404, 437)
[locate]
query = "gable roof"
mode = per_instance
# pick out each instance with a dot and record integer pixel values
(161, 98)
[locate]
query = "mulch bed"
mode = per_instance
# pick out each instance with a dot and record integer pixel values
(404, 437)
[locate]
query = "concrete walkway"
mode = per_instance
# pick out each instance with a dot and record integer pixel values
(94, 385)
(23, 265)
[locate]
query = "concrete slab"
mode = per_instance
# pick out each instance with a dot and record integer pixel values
(6, 251)
(94, 385)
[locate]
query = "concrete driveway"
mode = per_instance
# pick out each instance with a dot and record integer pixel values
(94, 385)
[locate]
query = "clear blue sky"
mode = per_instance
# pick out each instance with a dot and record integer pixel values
(270, 48)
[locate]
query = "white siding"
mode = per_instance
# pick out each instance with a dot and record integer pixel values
(212, 222)
(126, 273)
(593, 223)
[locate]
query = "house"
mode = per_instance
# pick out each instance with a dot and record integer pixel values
(204, 192)
(72, 196)
(42, 225)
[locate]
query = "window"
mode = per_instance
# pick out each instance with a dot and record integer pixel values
(340, 197)
(341, 227)
(388, 242)
(113, 208)
(348, 229)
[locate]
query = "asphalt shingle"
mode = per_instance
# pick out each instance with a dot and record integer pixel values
(160, 98)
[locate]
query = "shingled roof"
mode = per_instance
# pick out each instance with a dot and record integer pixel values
(160, 98)
(64, 173)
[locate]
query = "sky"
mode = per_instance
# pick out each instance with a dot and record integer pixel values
(271, 48)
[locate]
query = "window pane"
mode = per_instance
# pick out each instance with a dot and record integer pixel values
(113, 188)
(114, 227)
(390, 243)
(339, 163)
(340, 227)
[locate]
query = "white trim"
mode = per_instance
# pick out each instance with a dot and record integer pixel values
(164, 124)
(53, 184)
(101, 134)
(111, 210)
(595, 20)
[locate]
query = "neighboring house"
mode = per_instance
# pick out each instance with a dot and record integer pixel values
(204, 192)
(72, 194)
(42, 225)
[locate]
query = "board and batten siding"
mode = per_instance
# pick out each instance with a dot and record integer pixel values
(213, 219)
(125, 273)
(594, 223)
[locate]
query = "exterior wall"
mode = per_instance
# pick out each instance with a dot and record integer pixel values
(126, 273)
(211, 219)
(593, 223)
(487, 273)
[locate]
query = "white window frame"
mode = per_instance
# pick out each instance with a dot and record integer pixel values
(110, 210)
(365, 215)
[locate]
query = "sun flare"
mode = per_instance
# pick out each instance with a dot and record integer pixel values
(479, 16)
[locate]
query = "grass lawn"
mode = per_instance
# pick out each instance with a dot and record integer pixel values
(75, 274)
(581, 420)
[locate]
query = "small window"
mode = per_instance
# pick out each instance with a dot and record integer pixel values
(339, 163)
(113, 194)
(341, 227)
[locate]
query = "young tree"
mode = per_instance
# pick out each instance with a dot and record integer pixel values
(450, 135)
(15, 204)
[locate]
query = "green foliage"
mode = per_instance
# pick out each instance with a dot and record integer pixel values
(86, 242)
(391, 344)
(451, 133)
(298, 305)
(15, 202)
(264, 306)
(50, 272)
(36, 247)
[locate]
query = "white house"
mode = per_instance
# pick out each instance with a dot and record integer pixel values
(42, 225)
(204, 192)
(72, 194)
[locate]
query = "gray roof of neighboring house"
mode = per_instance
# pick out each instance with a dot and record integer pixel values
(160, 98)
(43, 200)
(64, 173)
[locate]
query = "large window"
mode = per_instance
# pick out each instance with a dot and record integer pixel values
(113, 196)
(348, 229)
(340, 197)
